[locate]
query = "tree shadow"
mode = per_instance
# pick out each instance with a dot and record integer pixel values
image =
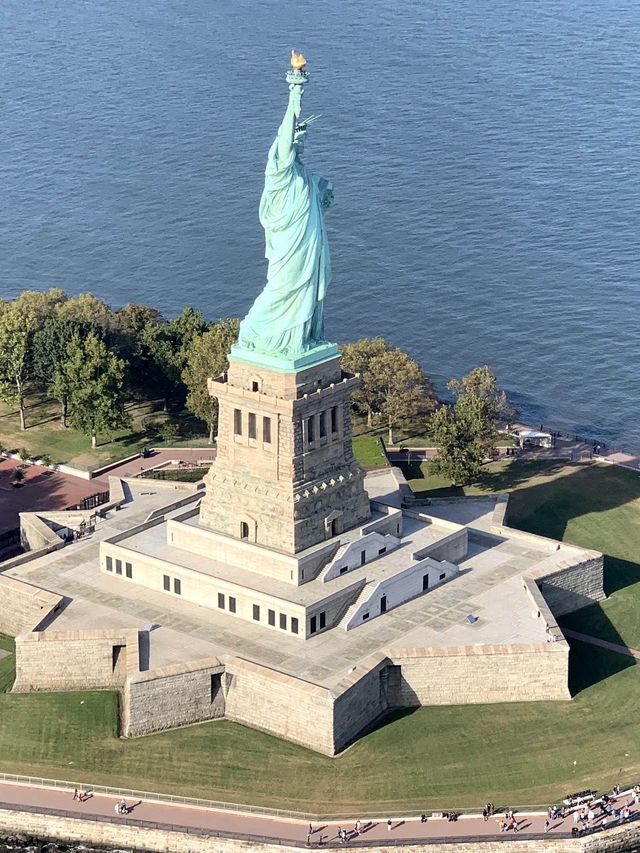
(516, 473)
(590, 488)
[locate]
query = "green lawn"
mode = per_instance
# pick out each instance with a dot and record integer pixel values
(7, 664)
(520, 754)
(45, 435)
(368, 451)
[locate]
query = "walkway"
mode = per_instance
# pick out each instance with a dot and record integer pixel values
(190, 455)
(260, 827)
(41, 489)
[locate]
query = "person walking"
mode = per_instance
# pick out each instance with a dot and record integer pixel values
(358, 827)
(75, 794)
(485, 816)
(546, 825)
(389, 825)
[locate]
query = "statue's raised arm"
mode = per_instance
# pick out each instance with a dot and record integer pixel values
(286, 320)
(286, 131)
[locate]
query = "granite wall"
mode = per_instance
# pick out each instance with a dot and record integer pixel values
(173, 696)
(280, 704)
(73, 660)
(24, 607)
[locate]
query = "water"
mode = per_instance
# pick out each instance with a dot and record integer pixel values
(484, 153)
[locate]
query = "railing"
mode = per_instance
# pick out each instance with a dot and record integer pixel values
(574, 832)
(200, 802)
(90, 502)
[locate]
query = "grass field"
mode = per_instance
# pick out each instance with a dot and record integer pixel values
(45, 435)
(524, 754)
(368, 451)
(431, 757)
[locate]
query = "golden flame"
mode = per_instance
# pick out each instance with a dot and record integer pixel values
(297, 60)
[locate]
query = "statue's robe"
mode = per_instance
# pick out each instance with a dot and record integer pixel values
(287, 318)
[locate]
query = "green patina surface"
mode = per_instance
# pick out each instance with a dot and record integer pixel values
(284, 329)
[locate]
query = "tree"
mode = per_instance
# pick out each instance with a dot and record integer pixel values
(131, 319)
(50, 358)
(356, 358)
(465, 436)
(15, 363)
(125, 338)
(184, 329)
(97, 397)
(402, 387)
(157, 349)
(483, 381)
(207, 356)
(88, 310)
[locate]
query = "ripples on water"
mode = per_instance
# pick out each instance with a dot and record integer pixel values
(485, 157)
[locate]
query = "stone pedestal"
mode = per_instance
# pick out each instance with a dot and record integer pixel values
(285, 476)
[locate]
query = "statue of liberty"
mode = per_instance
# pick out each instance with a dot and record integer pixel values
(287, 318)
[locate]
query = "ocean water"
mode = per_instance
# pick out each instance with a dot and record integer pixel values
(485, 156)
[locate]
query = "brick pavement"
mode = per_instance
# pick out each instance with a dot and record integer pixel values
(133, 467)
(42, 490)
(261, 826)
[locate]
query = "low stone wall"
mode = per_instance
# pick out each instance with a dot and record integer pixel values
(572, 587)
(36, 535)
(73, 660)
(173, 696)
(360, 700)
(470, 675)
(24, 607)
(280, 704)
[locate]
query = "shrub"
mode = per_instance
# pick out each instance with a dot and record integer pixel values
(45, 459)
(18, 475)
(24, 454)
(152, 428)
(169, 430)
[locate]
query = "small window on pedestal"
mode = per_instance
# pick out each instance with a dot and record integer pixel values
(266, 430)
(252, 425)
(237, 422)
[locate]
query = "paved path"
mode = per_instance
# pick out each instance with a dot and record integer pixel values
(192, 455)
(603, 644)
(277, 828)
(40, 490)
